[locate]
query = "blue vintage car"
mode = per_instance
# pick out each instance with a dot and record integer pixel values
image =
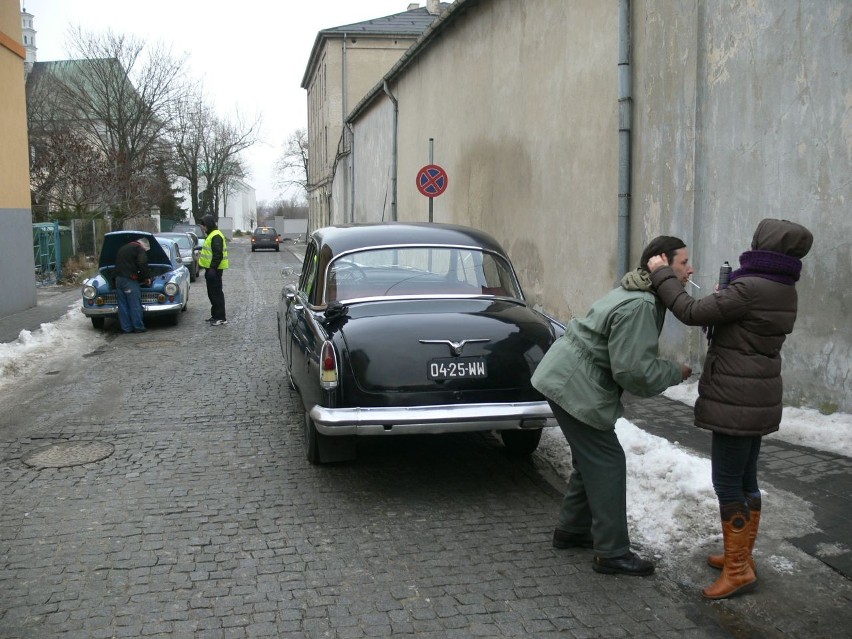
(398, 329)
(168, 294)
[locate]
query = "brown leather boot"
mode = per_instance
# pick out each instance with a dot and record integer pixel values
(737, 575)
(754, 506)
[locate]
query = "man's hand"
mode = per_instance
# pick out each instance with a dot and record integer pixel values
(685, 372)
(212, 271)
(657, 262)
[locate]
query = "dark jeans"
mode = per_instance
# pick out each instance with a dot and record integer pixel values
(215, 294)
(129, 304)
(734, 464)
(596, 499)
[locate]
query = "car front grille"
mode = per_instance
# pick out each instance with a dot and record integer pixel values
(147, 298)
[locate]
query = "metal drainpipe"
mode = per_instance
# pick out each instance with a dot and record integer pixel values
(625, 105)
(351, 173)
(394, 152)
(344, 102)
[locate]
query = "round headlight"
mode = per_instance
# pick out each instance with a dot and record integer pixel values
(171, 288)
(89, 292)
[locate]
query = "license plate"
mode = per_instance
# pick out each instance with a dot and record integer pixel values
(457, 368)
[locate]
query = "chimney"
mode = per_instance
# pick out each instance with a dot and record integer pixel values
(412, 6)
(433, 6)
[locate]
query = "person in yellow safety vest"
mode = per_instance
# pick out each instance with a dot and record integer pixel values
(214, 259)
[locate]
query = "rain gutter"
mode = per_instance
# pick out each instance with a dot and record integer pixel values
(625, 106)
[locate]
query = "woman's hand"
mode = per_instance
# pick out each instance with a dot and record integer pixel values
(657, 262)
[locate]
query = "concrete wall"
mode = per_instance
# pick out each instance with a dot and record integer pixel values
(744, 111)
(741, 111)
(17, 278)
(526, 161)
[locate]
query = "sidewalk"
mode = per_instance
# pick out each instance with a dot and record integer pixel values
(820, 478)
(52, 303)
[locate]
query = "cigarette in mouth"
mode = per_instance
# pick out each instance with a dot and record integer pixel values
(693, 283)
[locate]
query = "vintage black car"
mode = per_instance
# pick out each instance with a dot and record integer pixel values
(411, 328)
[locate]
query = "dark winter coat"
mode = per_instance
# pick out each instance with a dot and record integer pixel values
(740, 390)
(131, 261)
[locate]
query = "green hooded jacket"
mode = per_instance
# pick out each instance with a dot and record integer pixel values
(613, 349)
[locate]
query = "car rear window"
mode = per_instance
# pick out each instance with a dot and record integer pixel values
(420, 271)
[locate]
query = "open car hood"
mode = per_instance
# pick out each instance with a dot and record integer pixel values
(115, 240)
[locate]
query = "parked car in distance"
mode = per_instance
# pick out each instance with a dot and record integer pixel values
(265, 237)
(196, 229)
(411, 328)
(190, 253)
(167, 295)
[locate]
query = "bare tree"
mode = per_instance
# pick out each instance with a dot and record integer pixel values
(292, 166)
(222, 144)
(188, 124)
(120, 94)
(207, 151)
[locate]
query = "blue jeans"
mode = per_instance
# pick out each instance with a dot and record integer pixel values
(734, 466)
(129, 304)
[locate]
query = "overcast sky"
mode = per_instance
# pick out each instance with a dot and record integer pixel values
(251, 56)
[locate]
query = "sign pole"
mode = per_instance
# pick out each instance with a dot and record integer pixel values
(431, 161)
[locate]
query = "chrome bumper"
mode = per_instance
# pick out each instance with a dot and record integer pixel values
(112, 311)
(415, 420)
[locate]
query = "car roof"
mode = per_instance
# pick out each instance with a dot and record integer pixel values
(116, 239)
(355, 236)
(173, 234)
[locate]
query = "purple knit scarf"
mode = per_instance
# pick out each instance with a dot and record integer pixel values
(770, 266)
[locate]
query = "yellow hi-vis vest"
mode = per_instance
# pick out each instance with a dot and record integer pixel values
(207, 251)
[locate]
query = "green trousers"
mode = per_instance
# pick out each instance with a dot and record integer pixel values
(596, 500)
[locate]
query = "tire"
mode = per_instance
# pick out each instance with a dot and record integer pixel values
(312, 441)
(98, 322)
(521, 442)
(276, 249)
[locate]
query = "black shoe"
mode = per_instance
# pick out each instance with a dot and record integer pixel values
(140, 330)
(628, 564)
(210, 319)
(563, 539)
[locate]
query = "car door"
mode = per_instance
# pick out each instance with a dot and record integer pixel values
(298, 342)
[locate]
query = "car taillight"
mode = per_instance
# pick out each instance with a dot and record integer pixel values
(328, 366)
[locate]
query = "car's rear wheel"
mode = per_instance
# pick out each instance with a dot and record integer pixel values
(98, 322)
(521, 442)
(312, 440)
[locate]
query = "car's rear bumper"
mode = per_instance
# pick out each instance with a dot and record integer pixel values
(449, 418)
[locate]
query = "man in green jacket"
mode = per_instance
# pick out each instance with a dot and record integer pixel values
(613, 349)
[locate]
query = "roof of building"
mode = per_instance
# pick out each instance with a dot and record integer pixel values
(411, 24)
(428, 36)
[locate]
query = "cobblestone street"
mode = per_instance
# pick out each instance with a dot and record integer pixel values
(199, 515)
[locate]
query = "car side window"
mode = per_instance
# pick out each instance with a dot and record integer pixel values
(307, 283)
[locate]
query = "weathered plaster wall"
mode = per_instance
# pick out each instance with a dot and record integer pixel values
(744, 111)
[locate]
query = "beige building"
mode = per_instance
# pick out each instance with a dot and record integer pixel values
(17, 279)
(345, 62)
(574, 132)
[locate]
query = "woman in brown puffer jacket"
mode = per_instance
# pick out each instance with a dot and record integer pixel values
(740, 391)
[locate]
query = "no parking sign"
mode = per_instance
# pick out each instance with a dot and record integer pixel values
(432, 180)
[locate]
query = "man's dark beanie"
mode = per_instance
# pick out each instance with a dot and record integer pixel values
(659, 245)
(208, 221)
